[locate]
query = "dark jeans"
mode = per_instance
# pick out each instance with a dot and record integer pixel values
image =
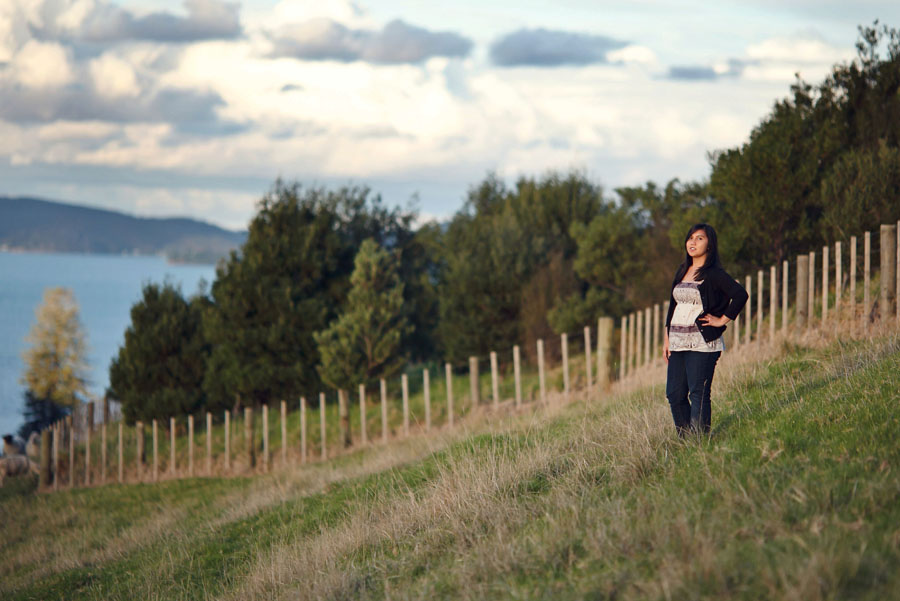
(688, 384)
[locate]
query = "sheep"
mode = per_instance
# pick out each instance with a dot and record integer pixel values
(16, 465)
(33, 446)
(11, 446)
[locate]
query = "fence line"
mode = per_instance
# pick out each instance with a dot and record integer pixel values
(640, 339)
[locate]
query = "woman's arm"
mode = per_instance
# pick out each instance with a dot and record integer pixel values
(735, 292)
(737, 298)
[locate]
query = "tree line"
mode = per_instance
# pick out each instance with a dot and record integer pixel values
(332, 288)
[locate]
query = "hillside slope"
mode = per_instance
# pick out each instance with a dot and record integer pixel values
(40, 225)
(795, 496)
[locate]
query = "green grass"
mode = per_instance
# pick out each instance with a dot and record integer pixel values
(795, 496)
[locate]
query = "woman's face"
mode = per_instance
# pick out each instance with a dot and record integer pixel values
(697, 244)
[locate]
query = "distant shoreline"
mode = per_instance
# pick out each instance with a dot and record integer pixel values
(14, 250)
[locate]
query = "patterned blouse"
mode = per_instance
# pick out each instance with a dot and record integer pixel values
(684, 335)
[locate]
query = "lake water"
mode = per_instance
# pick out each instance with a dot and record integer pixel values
(105, 287)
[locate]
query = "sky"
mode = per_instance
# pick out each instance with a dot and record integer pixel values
(195, 107)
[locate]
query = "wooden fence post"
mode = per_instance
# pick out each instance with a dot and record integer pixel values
(785, 286)
(802, 302)
(322, 425)
(209, 435)
(344, 416)
(363, 434)
(648, 312)
(473, 382)
(838, 283)
(139, 461)
(623, 348)
(604, 348)
(541, 378)
(44, 480)
(564, 346)
(303, 457)
(517, 374)
(426, 389)
(495, 381)
(56, 456)
(71, 432)
(811, 297)
(227, 428)
(121, 454)
(632, 344)
(191, 446)
(657, 337)
(384, 411)
(748, 330)
(852, 296)
(155, 451)
(824, 285)
(103, 453)
(888, 271)
(773, 300)
(249, 437)
(265, 436)
(638, 339)
(448, 369)
(87, 455)
(172, 467)
(283, 434)
(867, 278)
(760, 284)
(588, 363)
(404, 385)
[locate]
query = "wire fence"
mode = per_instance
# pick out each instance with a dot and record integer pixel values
(856, 280)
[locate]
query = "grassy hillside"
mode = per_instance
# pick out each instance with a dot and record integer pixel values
(795, 496)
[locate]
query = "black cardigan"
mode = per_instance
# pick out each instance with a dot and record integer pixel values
(720, 295)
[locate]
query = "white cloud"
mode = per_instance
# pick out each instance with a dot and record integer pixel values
(299, 11)
(113, 77)
(149, 107)
(801, 48)
(633, 54)
(42, 65)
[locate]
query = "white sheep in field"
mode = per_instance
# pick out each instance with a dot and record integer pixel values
(11, 446)
(16, 465)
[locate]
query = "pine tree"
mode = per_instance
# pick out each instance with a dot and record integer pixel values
(39, 414)
(55, 363)
(158, 372)
(290, 279)
(364, 343)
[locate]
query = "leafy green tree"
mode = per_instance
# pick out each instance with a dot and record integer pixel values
(158, 372)
(821, 165)
(627, 252)
(289, 280)
(364, 343)
(55, 363)
(504, 255)
(862, 189)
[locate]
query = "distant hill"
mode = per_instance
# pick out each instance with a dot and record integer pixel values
(31, 224)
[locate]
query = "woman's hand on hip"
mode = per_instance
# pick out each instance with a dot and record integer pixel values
(712, 320)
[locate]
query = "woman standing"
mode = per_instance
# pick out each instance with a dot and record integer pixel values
(704, 298)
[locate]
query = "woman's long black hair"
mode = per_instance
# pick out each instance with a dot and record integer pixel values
(712, 253)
